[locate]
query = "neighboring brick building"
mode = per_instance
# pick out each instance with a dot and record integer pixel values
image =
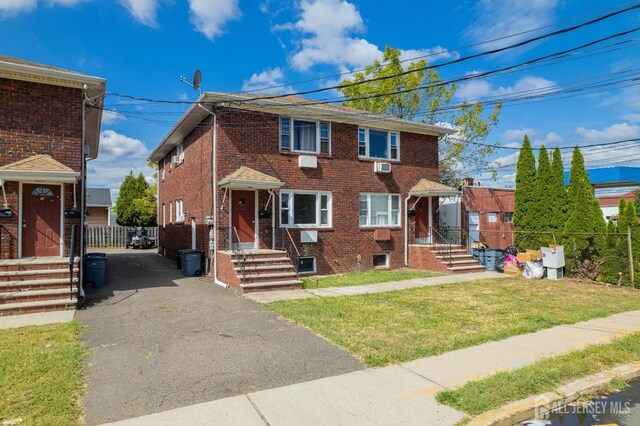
(290, 174)
(487, 213)
(41, 164)
(609, 205)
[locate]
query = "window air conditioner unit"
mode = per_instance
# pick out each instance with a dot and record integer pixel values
(382, 167)
(181, 218)
(307, 162)
(175, 159)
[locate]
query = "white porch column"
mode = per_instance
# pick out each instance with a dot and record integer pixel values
(430, 220)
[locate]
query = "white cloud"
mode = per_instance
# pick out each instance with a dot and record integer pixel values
(265, 79)
(111, 116)
(475, 89)
(118, 155)
(517, 134)
(497, 18)
(9, 8)
(550, 140)
(209, 17)
(328, 29)
(617, 131)
(143, 11)
(432, 54)
(67, 3)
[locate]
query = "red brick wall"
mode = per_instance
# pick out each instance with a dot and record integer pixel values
(497, 234)
(251, 139)
(38, 119)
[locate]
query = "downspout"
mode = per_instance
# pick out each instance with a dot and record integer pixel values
(406, 230)
(82, 192)
(214, 193)
(273, 219)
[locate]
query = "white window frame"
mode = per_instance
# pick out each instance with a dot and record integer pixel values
(291, 209)
(389, 210)
(505, 217)
(291, 148)
(366, 143)
(164, 215)
(315, 265)
(387, 263)
(170, 212)
(164, 167)
(179, 210)
(491, 215)
(180, 151)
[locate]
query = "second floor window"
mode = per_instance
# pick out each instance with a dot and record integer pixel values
(180, 152)
(305, 136)
(380, 144)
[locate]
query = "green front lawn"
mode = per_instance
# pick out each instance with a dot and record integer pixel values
(366, 277)
(388, 328)
(41, 375)
(480, 396)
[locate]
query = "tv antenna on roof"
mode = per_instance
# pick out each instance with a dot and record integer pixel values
(195, 80)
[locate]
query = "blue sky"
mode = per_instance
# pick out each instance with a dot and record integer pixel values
(142, 47)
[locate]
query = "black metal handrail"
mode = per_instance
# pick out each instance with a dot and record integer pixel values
(441, 241)
(72, 258)
(232, 238)
(289, 245)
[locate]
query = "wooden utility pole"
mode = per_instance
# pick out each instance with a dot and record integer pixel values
(630, 256)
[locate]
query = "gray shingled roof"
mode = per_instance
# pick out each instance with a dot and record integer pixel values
(98, 197)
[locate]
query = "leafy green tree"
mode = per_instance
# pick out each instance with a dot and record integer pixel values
(585, 227)
(560, 198)
(419, 94)
(525, 196)
(136, 203)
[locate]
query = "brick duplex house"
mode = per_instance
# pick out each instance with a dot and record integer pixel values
(274, 188)
(44, 120)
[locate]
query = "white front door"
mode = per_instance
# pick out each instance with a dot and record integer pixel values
(474, 226)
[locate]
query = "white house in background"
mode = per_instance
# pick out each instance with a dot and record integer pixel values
(609, 205)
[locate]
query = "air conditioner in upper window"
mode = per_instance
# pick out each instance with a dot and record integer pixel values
(381, 167)
(175, 159)
(181, 217)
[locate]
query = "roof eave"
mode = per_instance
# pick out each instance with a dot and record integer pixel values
(436, 193)
(248, 184)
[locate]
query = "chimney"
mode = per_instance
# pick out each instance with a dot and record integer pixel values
(467, 181)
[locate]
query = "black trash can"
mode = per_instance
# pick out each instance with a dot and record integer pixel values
(192, 263)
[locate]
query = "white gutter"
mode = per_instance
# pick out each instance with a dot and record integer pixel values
(51, 73)
(249, 184)
(406, 231)
(41, 176)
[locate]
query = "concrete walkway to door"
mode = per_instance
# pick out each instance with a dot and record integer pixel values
(158, 341)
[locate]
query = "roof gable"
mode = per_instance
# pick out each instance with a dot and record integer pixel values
(37, 163)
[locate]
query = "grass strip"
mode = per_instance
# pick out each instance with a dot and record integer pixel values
(495, 391)
(366, 277)
(41, 375)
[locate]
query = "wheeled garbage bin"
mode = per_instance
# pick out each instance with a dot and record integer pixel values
(95, 265)
(482, 257)
(492, 258)
(192, 263)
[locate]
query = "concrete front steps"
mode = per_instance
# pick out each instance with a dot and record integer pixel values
(265, 270)
(452, 259)
(32, 285)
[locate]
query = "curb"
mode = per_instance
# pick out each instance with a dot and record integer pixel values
(528, 408)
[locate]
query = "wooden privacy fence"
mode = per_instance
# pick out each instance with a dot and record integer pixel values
(112, 236)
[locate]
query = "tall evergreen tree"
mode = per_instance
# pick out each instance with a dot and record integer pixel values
(585, 227)
(560, 199)
(525, 197)
(136, 203)
(543, 204)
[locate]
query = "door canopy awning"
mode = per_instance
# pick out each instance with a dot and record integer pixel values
(38, 168)
(246, 178)
(429, 188)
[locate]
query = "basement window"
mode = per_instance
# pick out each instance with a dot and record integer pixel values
(381, 261)
(307, 265)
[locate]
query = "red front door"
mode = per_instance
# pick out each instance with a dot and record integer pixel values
(40, 220)
(422, 218)
(243, 215)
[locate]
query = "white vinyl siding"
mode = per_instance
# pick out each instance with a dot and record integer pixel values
(305, 209)
(378, 144)
(379, 210)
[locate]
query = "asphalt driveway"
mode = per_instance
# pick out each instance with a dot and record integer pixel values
(158, 341)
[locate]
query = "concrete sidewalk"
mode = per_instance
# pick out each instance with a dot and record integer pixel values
(399, 394)
(40, 318)
(276, 296)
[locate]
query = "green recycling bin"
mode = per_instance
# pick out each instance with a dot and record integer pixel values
(95, 265)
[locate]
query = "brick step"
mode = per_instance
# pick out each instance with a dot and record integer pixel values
(253, 278)
(262, 260)
(456, 256)
(461, 262)
(271, 285)
(457, 251)
(39, 306)
(463, 269)
(252, 268)
(35, 273)
(35, 264)
(37, 295)
(7, 286)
